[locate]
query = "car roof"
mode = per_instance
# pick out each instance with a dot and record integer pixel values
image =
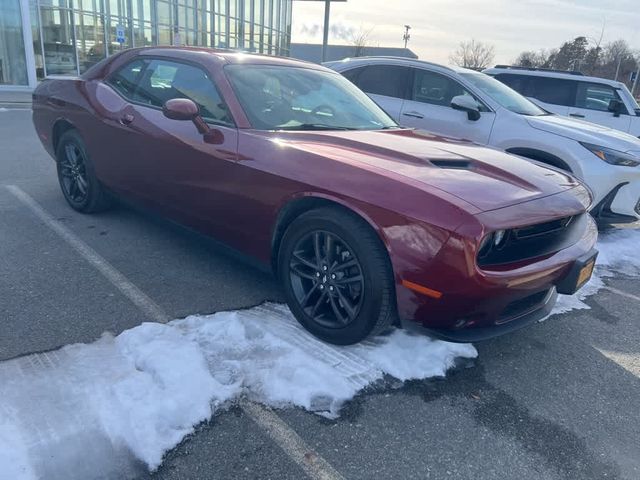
(226, 56)
(382, 60)
(577, 76)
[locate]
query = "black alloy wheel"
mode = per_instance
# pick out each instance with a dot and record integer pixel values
(336, 276)
(73, 174)
(77, 177)
(327, 279)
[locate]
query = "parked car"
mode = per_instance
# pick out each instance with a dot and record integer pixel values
(462, 103)
(363, 222)
(60, 59)
(596, 100)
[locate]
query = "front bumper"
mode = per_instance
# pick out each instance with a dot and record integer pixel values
(536, 314)
(623, 196)
(481, 304)
(617, 194)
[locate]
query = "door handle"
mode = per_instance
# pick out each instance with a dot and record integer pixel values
(576, 115)
(126, 119)
(413, 114)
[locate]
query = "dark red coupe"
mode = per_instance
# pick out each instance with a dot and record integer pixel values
(365, 223)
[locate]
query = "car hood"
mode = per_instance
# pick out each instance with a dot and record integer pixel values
(585, 132)
(485, 178)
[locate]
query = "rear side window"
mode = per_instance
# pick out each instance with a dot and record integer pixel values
(125, 79)
(595, 96)
(552, 90)
(387, 80)
(517, 82)
(353, 74)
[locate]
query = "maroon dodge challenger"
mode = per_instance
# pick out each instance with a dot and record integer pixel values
(365, 223)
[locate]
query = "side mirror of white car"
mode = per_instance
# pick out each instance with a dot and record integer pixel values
(467, 104)
(616, 107)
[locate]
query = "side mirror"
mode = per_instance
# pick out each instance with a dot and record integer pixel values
(465, 103)
(616, 107)
(185, 109)
(180, 109)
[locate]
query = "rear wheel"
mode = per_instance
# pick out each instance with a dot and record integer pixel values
(77, 177)
(336, 276)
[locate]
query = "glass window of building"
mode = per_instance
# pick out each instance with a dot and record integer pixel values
(13, 66)
(69, 36)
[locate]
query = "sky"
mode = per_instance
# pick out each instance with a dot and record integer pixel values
(438, 26)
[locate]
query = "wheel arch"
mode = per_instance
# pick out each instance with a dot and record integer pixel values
(541, 156)
(296, 206)
(60, 127)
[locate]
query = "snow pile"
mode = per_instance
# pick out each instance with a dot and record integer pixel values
(618, 253)
(143, 391)
(107, 406)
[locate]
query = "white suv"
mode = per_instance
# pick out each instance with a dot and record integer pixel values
(462, 103)
(596, 100)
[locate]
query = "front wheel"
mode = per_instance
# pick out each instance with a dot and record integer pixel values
(336, 276)
(77, 177)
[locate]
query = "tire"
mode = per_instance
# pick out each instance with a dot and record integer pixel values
(77, 177)
(315, 294)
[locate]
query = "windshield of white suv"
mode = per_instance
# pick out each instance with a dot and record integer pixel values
(505, 96)
(292, 98)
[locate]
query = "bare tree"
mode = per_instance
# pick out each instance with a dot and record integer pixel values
(538, 59)
(473, 54)
(361, 40)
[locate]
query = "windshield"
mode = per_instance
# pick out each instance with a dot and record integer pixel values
(505, 96)
(292, 98)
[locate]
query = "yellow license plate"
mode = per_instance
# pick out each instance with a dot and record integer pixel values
(585, 273)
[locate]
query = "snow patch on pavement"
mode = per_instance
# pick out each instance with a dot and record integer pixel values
(143, 391)
(103, 409)
(618, 253)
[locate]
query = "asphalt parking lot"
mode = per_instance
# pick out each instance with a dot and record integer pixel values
(559, 400)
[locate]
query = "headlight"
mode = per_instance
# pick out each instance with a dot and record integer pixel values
(614, 157)
(497, 239)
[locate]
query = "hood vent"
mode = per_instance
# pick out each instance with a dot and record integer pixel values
(452, 164)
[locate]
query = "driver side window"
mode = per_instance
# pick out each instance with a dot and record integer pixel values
(153, 82)
(437, 89)
(594, 96)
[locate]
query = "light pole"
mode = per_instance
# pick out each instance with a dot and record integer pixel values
(406, 35)
(325, 32)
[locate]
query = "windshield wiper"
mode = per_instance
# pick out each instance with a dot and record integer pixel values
(314, 126)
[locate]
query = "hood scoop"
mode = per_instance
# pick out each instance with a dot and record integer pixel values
(452, 164)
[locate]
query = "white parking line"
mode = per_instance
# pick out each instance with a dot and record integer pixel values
(316, 467)
(313, 465)
(128, 289)
(623, 294)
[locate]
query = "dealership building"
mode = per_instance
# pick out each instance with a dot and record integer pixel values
(40, 38)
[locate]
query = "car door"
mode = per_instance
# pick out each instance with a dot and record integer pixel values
(592, 105)
(385, 84)
(169, 165)
(429, 108)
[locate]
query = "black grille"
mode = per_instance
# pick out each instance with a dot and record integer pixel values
(542, 228)
(533, 241)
